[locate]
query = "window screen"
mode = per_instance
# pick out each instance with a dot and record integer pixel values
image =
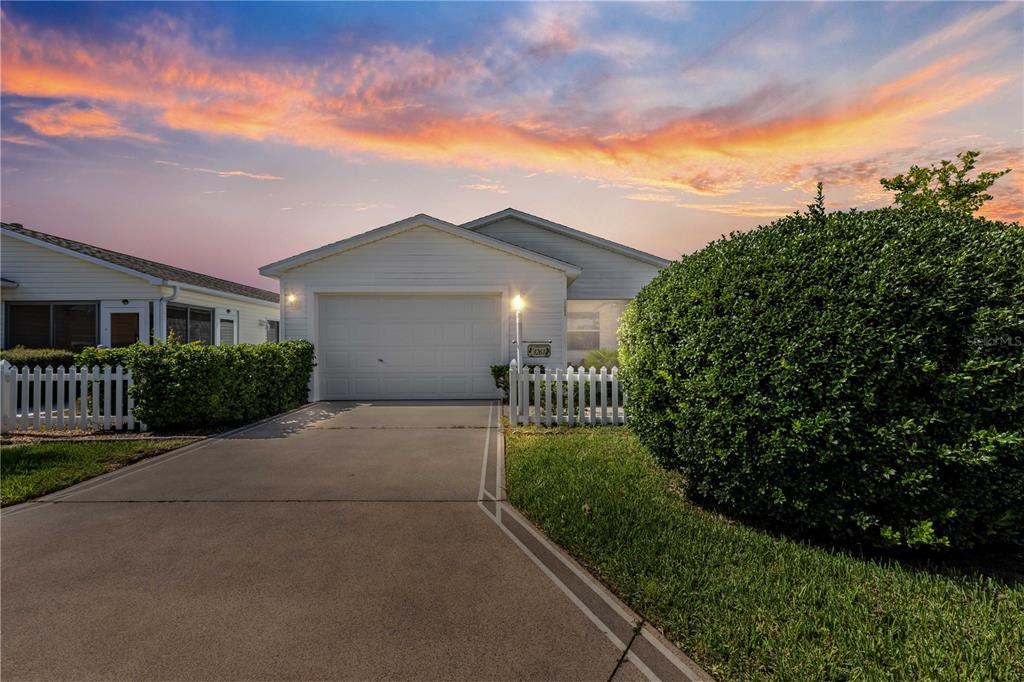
(583, 331)
(177, 323)
(190, 324)
(200, 325)
(273, 331)
(29, 326)
(74, 325)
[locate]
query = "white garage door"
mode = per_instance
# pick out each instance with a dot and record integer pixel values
(408, 347)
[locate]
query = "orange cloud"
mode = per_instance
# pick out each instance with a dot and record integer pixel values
(63, 120)
(651, 196)
(486, 185)
(745, 209)
(1008, 201)
(408, 103)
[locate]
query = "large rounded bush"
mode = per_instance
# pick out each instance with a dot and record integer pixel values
(860, 376)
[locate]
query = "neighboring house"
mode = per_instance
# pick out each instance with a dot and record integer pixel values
(59, 293)
(421, 308)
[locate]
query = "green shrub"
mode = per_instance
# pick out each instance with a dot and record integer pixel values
(194, 385)
(860, 375)
(19, 356)
(500, 375)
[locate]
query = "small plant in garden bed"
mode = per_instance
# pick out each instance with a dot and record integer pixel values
(31, 470)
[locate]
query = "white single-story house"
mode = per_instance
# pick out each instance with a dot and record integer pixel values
(422, 308)
(60, 293)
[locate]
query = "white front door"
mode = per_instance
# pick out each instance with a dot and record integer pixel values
(122, 323)
(399, 346)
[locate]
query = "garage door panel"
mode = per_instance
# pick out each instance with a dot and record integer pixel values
(408, 346)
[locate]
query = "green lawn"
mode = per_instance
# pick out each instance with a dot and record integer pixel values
(28, 471)
(746, 605)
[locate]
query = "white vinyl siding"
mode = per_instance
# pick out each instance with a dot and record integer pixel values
(606, 274)
(47, 276)
(249, 315)
(425, 260)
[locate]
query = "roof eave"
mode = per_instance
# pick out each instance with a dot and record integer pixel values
(277, 268)
(223, 294)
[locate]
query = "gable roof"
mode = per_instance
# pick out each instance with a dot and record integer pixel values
(151, 271)
(568, 232)
(418, 220)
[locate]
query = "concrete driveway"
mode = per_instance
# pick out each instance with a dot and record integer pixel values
(349, 541)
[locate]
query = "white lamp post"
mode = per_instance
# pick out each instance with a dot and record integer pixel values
(517, 305)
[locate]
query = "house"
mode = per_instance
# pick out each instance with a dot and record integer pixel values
(421, 308)
(60, 293)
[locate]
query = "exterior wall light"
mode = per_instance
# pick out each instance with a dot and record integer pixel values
(517, 305)
(290, 298)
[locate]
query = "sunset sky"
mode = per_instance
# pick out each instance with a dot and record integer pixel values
(221, 137)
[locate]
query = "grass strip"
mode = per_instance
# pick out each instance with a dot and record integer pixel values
(30, 470)
(742, 603)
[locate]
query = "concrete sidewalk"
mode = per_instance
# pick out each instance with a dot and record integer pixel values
(342, 541)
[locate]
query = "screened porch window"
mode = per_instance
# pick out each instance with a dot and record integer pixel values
(69, 326)
(188, 323)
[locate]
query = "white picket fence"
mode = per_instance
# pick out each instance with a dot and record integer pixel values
(565, 397)
(87, 398)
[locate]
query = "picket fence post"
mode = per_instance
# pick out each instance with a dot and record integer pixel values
(558, 397)
(615, 395)
(537, 395)
(8, 391)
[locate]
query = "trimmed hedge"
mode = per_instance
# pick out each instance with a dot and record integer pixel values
(19, 356)
(194, 385)
(859, 375)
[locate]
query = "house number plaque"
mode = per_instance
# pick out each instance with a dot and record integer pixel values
(538, 350)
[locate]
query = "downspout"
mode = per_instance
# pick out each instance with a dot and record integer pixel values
(162, 312)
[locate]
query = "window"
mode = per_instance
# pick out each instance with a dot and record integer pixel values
(584, 331)
(591, 324)
(177, 323)
(71, 326)
(189, 324)
(227, 331)
(200, 325)
(29, 326)
(273, 331)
